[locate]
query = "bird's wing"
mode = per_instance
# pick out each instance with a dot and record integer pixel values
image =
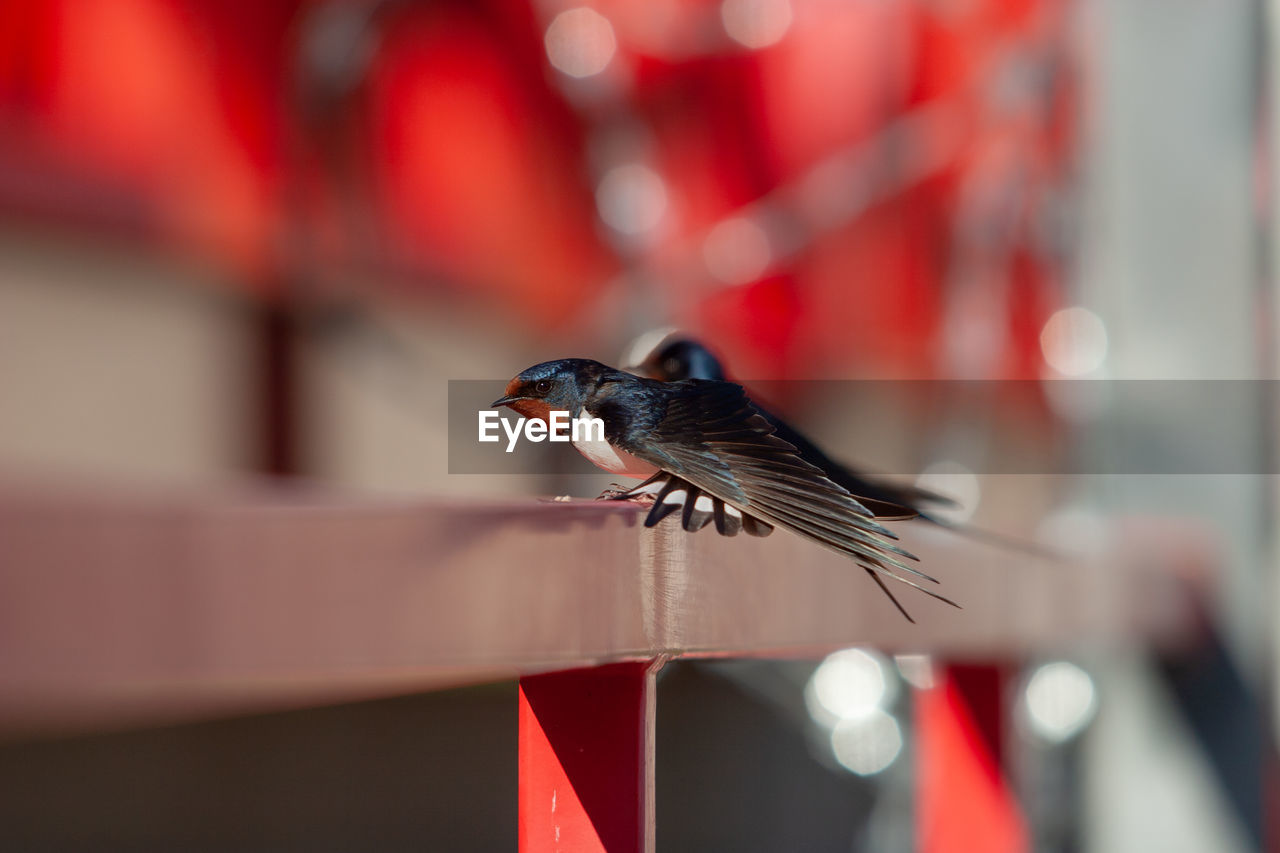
(901, 494)
(884, 510)
(884, 500)
(711, 437)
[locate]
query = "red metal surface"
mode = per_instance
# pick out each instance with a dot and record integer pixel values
(130, 606)
(964, 801)
(586, 760)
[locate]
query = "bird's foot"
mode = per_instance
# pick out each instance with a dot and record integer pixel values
(617, 493)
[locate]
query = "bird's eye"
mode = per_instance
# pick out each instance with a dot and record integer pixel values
(542, 387)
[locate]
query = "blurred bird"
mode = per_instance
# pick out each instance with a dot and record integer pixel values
(712, 455)
(668, 356)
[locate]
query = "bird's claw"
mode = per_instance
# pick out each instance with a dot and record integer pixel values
(617, 493)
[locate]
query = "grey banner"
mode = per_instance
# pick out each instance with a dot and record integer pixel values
(995, 427)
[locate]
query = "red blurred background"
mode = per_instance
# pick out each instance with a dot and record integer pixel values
(851, 191)
(240, 239)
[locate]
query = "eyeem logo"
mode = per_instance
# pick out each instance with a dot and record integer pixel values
(559, 427)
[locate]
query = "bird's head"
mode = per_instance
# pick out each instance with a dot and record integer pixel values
(561, 385)
(681, 358)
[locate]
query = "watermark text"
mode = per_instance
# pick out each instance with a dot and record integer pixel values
(559, 426)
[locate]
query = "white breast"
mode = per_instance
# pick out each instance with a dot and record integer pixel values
(604, 455)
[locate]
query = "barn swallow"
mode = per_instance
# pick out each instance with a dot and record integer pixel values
(710, 454)
(673, 357)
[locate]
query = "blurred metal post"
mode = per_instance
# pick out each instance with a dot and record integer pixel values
(964, 800)
(1170, 260)
(586, 759)
(1269, 157)
(279, 421)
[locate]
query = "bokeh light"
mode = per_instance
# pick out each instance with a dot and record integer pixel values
(1060, 701)
(1074, 341)
(631, 198)
(848, 685)
(756, 23)
(580, 42)
(737, 250)
(916, 670)
(867, 745)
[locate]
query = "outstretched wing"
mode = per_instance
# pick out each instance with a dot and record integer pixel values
(671, 494)
(712, 438)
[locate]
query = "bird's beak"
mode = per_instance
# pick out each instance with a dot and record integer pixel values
(505, 401)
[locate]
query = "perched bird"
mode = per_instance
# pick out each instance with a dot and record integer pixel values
(711, 454)
(673, 357)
